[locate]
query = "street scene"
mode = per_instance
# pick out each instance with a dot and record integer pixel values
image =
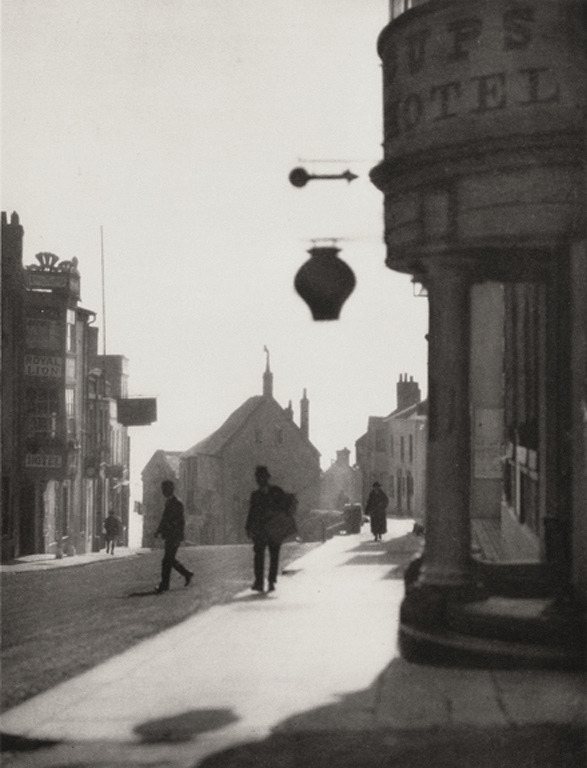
(294, 384)
(303, 676)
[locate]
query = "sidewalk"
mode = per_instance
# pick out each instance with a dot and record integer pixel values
(318, 655)
(46, 562)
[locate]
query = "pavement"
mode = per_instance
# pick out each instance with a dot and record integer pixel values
(50, 562)
(313, 666)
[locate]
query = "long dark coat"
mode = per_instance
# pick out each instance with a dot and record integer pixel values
(172, 523)
(375, 509)
(262, 506)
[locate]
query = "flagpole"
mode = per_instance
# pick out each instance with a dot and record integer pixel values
(103, 291)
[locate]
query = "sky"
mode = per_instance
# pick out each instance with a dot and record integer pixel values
(171, 126)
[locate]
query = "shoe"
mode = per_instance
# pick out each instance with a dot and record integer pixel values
(188, 578)
(161, 590)
(257, 587)
(271, 586)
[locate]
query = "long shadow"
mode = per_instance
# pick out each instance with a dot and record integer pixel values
(185, 726)
(359, 732)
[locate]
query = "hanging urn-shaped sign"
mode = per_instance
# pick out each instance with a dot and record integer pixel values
(325, 282)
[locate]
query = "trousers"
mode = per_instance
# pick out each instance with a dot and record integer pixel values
(259, 545)
(169, 561)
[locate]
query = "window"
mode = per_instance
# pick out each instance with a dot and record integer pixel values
(380, 440)
(278, 436)
(402, 448)
(411, 447)
(43, 329)
(70, 337)
(70, 410)
(258, 436)
(42, 410)
(391, 446)
(397, 7)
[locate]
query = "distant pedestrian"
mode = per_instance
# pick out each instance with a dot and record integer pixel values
(376, 509)
(267, 525)
(171, 529)
(112, 530)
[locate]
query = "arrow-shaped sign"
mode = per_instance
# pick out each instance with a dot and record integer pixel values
(299, 177)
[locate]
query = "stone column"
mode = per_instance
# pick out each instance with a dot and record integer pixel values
(447, 553)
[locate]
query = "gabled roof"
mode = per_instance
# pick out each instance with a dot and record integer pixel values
(171, 458)
(214, 443)
(417, 409)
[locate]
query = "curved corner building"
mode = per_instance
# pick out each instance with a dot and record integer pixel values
(484, 183)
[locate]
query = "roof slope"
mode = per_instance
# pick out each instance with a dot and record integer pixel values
(214, 443)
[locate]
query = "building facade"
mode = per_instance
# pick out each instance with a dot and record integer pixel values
(163, 465)
(393, 452)
(484, 186)
(341, 483)
(217, 474)
(58, 444)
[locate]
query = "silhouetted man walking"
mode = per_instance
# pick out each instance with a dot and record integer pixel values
(171, 529)
(264, 504)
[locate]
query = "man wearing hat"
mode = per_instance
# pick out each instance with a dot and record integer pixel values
(265, 502)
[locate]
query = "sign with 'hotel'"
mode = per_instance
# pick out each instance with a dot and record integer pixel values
(47, 366)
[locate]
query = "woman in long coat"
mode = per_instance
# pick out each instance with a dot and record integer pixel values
(376, 509)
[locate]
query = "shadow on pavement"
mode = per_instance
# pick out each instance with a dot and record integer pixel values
(371, 728)
(11, 743)
(184, 727)
(536, 746)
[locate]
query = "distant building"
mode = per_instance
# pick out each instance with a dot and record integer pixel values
(393, 452)
(217, 474)
(340, 483)
(109, 458)
(163, 465)
(64, 456)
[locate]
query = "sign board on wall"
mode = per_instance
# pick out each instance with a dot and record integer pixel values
(46, 366)
(43, 461)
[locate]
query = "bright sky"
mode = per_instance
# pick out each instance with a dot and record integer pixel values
(174, 124)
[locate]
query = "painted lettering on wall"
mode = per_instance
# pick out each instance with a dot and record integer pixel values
(47, 366)
(412, 100)
(43, 461)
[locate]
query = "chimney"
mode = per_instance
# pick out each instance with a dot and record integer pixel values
(289, 411)
(408, 392)
(305, 416)
(342, 457)
(12, 236)
(267, 378)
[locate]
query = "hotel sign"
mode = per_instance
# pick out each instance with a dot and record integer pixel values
(43, 461)
(465, 71)
(46, 366)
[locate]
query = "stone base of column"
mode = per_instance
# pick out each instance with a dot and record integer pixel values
(466, 626)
